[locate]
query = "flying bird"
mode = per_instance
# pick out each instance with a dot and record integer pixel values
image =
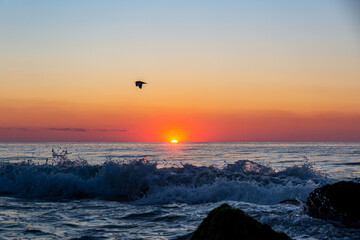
(139, 84)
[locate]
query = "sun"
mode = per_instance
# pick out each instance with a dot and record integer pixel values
(174, 141)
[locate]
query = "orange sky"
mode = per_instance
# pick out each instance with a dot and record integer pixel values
(230, 71)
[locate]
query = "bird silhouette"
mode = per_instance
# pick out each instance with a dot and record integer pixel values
(139, 84)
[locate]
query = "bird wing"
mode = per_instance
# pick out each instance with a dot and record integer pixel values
(139, 84)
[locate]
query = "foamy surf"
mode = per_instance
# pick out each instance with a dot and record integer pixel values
(143, 182)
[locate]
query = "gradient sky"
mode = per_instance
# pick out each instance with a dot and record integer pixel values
(217, 70)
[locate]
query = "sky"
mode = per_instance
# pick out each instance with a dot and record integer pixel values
(217, 71)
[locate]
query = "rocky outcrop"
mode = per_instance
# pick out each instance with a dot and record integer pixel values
(339, 201)
(225, 222)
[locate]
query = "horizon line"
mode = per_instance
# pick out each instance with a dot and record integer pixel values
(2, 142)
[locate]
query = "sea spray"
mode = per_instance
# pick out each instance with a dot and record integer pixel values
(143, 182)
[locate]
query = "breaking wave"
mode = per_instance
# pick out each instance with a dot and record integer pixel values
(143, 182)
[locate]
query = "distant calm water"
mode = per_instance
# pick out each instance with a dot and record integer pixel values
(163, 191)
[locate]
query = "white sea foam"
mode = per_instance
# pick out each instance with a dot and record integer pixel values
(143, 182)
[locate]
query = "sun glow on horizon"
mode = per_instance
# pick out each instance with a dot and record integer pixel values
(301, 84)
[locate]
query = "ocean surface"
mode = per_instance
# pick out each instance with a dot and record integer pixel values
(163, 190)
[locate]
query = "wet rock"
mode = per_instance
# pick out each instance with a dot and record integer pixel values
(339, 202)
(225, 222)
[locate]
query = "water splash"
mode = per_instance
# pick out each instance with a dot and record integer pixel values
(141, 181)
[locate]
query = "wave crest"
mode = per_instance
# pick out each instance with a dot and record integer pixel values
(142, 181)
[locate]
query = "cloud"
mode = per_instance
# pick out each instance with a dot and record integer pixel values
(61, 129)
(86, 130)
(113, 130)
(68, 129)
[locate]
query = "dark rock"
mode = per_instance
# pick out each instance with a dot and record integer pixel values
(339, 202)
(225, 222)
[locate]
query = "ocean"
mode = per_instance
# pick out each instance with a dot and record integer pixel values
(164, 190)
